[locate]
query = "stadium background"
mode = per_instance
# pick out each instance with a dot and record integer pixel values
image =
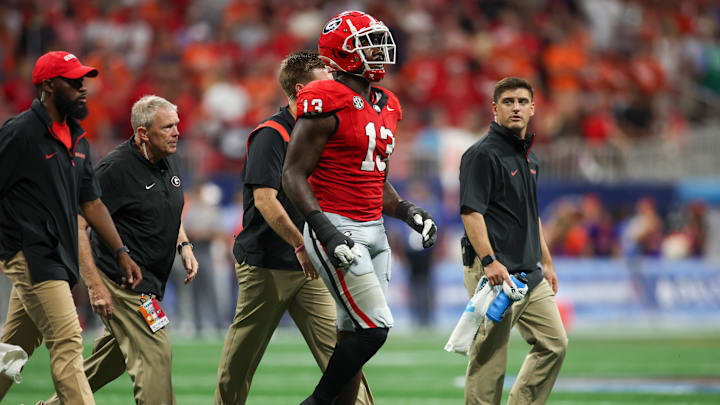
(628, 100)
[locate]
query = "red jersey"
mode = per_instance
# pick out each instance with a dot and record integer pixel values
(349, 177)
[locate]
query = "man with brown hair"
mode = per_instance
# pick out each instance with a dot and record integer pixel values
(498, 206)
(273, 269)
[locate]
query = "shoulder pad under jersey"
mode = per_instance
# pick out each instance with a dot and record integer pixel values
(322, 97)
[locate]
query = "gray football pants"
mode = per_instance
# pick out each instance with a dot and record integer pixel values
(359, 290)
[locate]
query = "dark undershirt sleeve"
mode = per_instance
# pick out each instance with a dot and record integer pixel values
(476, 181)
(265, 159)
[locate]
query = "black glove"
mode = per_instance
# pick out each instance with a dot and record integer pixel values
(337, 245)
(419, 220)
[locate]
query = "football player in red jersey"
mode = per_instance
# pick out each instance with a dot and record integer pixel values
(336, 174)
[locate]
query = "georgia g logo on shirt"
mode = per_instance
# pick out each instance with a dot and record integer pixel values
(175, 181)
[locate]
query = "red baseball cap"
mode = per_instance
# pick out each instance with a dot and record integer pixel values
(60, 63)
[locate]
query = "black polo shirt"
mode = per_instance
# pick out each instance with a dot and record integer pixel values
(258, 244)
(498, 179)
(145, 201)
(42, 184)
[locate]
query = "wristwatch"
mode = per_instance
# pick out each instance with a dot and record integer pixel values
(119, 250)
(487, 260)
(182, 245)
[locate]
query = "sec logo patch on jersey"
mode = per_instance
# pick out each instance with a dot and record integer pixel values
(358, 102)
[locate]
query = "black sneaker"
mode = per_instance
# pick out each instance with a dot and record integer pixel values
(309, 401)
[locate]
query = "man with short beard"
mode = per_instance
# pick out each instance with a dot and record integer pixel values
(46, 180)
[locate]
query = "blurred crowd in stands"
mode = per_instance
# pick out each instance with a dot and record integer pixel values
(605, 70)
(606, 73)
(583, 227)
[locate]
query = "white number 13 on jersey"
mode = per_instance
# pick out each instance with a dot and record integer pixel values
(316, 102)
(370, 161)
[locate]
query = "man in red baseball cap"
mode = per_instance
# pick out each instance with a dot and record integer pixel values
(60, 64)
(51, 70)
(46, 179)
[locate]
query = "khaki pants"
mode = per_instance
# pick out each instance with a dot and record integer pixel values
(263, 297)
(128, 343)
(538, 321)
(46, 311)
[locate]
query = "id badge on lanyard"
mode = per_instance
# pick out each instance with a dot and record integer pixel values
(153, 314)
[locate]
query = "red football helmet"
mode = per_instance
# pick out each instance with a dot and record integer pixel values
(350, 39)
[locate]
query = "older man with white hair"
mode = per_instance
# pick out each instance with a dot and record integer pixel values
(142, 189)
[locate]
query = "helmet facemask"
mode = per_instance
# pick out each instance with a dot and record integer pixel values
(365, 42)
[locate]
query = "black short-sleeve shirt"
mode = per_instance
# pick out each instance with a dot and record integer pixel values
(257, 244)
(498, 178)
(42, 185)
(145, 201)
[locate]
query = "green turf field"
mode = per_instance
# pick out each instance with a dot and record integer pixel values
(413, 369)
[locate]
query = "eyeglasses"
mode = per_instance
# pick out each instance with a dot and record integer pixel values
(74, 83)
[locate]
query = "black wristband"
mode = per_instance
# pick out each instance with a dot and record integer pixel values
(312, 214)
(324, 229)
(182, 245)
(328, 235)
(402, 209)
(119, 250)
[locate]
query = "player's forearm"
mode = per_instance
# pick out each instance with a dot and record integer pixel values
(307, 143)
(391, 199)
(88, 270)
(476, 231)
(99, 218)
(545, 258)
(299, 192)
(279, 220)
(296, 170)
